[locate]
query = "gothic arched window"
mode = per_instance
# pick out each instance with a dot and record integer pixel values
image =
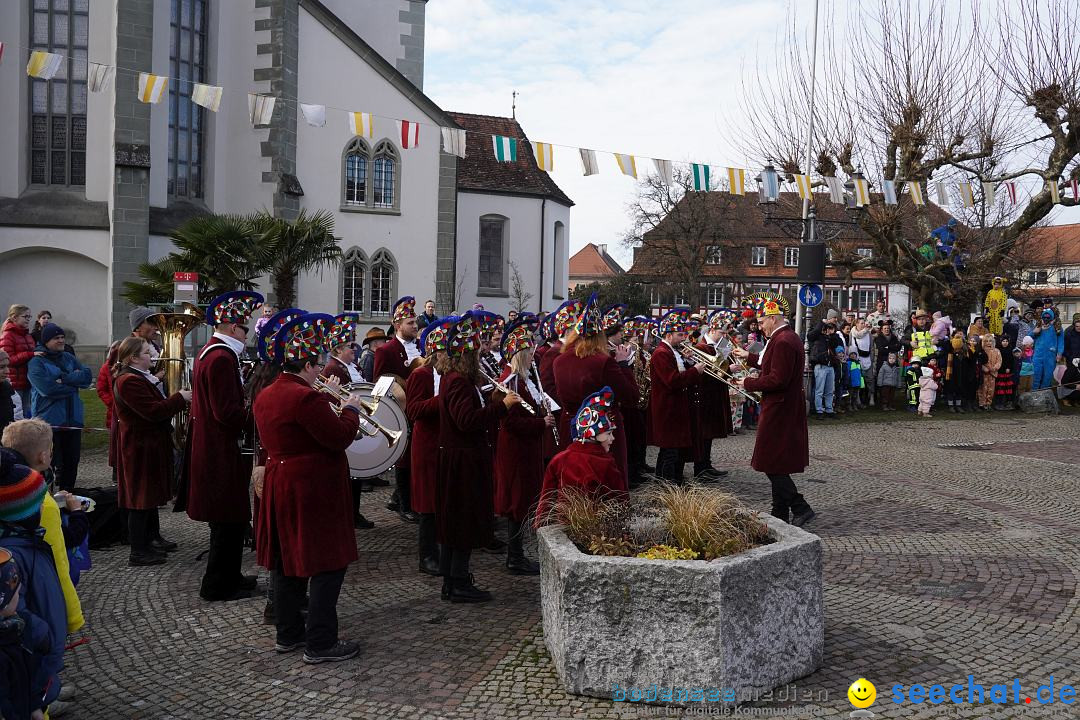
(353, 271)
(383, 280)
(385, 175)
(355, 173)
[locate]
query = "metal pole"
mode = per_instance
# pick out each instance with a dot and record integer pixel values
(808, 217)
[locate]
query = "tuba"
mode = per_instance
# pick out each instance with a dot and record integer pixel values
(174, 328)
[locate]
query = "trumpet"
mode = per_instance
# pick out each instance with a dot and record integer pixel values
(369, 426)
(506, 391)
(713, 369)
(633, 349)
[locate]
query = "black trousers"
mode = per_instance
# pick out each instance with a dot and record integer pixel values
(67, 448)
(786, 498)
(143, 527)
(357, 487)
(321, 631)
(402, 487)
(454, 563)
(222, 577)
(426, 537)
(669, 464)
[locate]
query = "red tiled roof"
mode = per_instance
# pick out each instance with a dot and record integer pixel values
(1053, 245)
(479, 170)
(590, 261)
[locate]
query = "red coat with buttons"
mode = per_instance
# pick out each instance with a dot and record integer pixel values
(422, 410)
(669, 404)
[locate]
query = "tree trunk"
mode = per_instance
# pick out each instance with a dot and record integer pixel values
(284, 284)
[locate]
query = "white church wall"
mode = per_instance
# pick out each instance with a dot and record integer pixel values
(328, 69)
(376, 21)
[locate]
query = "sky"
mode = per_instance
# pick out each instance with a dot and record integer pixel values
(631, 76)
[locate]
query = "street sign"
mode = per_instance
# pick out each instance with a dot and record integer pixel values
(185, 277)
(185, 287)
(811, 295)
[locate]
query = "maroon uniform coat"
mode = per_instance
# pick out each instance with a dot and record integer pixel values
(334, 368)
(391, 359)
(144, 471)
(669, 404)
(305, 517)
(577, 378)
(781, 446)
(545, 367)
(715, 403)
(422, 410)
(217, 474)
(519, 455)
(464, 498)
(585, 466)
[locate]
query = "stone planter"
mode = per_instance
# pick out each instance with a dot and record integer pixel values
(728, 628)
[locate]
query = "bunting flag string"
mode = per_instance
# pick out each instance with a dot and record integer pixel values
(207, 96)
(702, 180)
(261, 109)
(505, 148)
(836, 190)
(544, 159)
(99, 77)
(453, 141)
(915, 189)
(942, 195)
(736, 181)
(665, 171)
(1055, 196)
(43, 65)
(314, 115)
(152, 88)
(361, 124)
(802, 184)
(862, 192)
(888, 189)
(627, 164)
(588, 162)
(410, 134)
(989, 192)
(1010, 188)
(966, 198)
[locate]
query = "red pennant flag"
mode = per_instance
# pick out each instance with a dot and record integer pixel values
(1, 51)
(410, 134)
(1010, 187)
(1075, 188)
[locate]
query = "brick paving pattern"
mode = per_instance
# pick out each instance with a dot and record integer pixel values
(941, 561)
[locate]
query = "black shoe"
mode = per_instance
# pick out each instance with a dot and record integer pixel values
(409, 516)
(800, 520)
(497, 547)
(430, 566)
(163, 545)
(248, 582)
(447, 583)
(463, 591)
(362, 523)
(392, 506)
(831, 416)
(522, 566)
(337, 653)
(705, 477)
(142, 559)
(287, 647)
(712, 474)
(239, 594)
(269, 616)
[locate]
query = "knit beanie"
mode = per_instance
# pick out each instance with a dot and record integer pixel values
(21, 489)
(138, 316)
(50, 331)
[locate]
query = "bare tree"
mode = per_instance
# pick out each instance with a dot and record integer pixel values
(919, 92)
(677, 231)
(518, 294)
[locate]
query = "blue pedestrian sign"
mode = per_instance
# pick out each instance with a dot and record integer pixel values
(811, 295)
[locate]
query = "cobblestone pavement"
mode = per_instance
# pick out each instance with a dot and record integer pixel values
(942, 561)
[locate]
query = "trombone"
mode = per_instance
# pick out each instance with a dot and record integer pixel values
(369, 426)
(713, 369)
(506, 391)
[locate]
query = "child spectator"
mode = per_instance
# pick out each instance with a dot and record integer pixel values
(888, 379)
(21, 493)
(855, 380)
(1027, 364)
(911, 380)
(586, 464)
(24, 640)
(30, 441)
(843, 380)
(952, 381)
(927, 392)
(1005, 389)
(990, 366)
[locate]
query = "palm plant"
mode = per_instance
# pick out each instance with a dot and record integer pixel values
(287, 249)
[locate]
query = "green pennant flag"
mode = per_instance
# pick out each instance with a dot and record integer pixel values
(701, 178)
(505, 148)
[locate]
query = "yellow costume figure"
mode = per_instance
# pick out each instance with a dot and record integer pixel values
(994, 306)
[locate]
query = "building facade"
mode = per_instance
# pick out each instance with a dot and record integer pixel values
(592, 264)
(1052, 267)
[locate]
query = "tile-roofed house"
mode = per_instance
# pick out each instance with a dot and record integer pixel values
(513, 223)
(1051, 266)
(592, 264)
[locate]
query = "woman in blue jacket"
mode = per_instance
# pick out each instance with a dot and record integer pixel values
(55, 380)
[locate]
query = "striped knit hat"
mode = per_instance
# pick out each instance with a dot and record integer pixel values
(21, 489)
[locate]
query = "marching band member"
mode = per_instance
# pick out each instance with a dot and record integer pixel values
(464, 503)
(305, 528)
(632, 416)
(519, 456)
(422, 409)
(342, 362)
(558, 327)
(669, 405)
(586, 464)
(488, 325)
(395, 358)
(584, 366)
(781, 446)
(714, 410)
(216, 474)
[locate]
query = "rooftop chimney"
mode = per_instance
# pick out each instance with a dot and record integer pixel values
(602, 249)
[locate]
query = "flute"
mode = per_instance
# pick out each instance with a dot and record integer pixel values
(506, 391)
(547, 406)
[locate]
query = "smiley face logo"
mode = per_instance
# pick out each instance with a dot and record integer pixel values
(862, 693)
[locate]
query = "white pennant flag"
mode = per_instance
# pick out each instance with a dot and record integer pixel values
(99, 77)
(453, 141)
(588, 162)
(663, 169)
(888, 189)
(208, 96)
(942, 194)
(989, 192)
(314, 115)
(260, 108)
(836, 190)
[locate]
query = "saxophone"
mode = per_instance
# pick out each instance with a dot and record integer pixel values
(642, 371)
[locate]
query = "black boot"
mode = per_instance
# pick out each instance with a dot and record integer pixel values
(462, 590)
(516, 562)
(428, 550)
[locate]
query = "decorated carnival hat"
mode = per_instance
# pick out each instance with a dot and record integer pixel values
(9, 577)
(464, 336)
(342, 330)
(594, 417)
(518, 336)
(404, 308)
(488, 324)
(613, 318)
(676, 320)
(767, 303)
(435, 337)
(264, 343)
(302, 337)
(589, 321)
(21, 489)
(547, 328)
(722, 318)
(233, 307)
(566, 316)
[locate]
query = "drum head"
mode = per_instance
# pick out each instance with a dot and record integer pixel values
(370, 456)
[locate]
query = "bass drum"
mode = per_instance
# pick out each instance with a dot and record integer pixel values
(370, 456)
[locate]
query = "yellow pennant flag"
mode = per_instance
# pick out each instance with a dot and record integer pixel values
(966, 198)
(43, 64)
(544, 159)
(1055, 196)
(362, 124)
(627, 164)
(862, 192)
(152, 87)
(916, 193)
(802, 182)
(208, 96)
(736, 181)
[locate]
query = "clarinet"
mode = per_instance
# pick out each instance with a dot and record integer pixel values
(546, 404)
